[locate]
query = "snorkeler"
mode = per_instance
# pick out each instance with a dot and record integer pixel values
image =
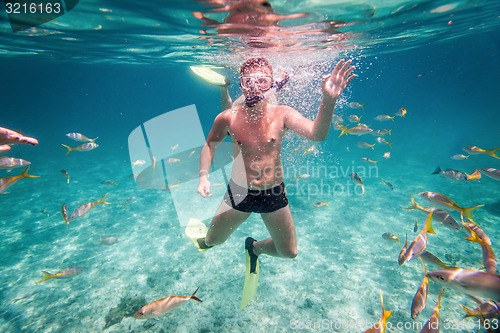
(256, 129)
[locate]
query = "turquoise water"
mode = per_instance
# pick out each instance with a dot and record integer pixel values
(96, 87)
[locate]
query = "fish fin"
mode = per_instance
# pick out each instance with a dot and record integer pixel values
(473, 237)
(25, 174)
(493, 152)
(372, 146)
(468, 212)
(343, 129)
(468, 312)
(101, 201)
(363, 189)
(390, 144)
(414, 204)
(385, 314)
(437, 171)
(69, 149)
(46, 276)
(425, 269)
(438, 305)
(194, 297)
(92, 140)
(428, 224)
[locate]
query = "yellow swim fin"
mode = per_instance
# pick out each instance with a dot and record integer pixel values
(196, 230)
(251, 280)
(209, 75)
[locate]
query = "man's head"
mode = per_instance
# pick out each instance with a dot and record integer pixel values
(256, 76)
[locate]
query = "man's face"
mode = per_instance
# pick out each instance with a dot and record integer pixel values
(256, 81)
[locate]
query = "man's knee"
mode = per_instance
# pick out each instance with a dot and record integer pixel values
(289, 253)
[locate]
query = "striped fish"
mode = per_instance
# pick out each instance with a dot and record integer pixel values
(444, 201)
(85, 208)
(85, 147)
(80, 137)
(10, 163)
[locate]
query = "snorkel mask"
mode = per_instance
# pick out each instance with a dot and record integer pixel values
(253, 100)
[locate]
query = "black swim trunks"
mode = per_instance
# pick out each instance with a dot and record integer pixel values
(255, 201)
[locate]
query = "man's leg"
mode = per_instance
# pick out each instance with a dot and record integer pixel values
(283, 241)
(224, 223)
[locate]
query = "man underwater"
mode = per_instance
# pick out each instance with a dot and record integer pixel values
(256, 129)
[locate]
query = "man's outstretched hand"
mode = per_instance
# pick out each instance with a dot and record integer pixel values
(9, 137)
(333, 84)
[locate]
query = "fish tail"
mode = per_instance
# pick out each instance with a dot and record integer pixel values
(468, 212)
(363, 107)
(46, 276)
(414, 204)
(390, 131)
(93, 140)
(101, 201)
(468, 312)
(343, 130)
(438, 305)
(194, 297)
(373, 145)
(474, 175)
(69, 149)
(437, 171)
(385, 314)
(25, 174)
(428, 224)
(493, 152)
(390, 144)
(363, 188)
(473, 237)
(425, 269)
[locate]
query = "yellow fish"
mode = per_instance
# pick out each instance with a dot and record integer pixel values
(311, 149)
(164, 306)
(366, 159)
(381, 324)
(432, 325)
(486, 310)
(85, 208)
(7, 182)
(357, 130)
(420, 298)
(10, 163)
(384, 117)
(489, 259)
(382, 140)
(357, 180)
(85, 147)
(444, 201)
(320, 203)
(80, 137)
(388, 235)
(65, 273)
(474, 150)
(401, 257)
(417, 247)
(401, 112)
(365, 145)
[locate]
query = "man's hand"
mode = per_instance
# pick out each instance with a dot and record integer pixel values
(204, 187)
(9, 137)
(335, 83)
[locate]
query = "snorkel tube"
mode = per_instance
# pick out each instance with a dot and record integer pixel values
(253, 100)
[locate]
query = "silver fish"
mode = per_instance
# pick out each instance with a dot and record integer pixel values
(79, 137)
(490, 172)
(469, 281)
(432, 325)
(357, 180)
(85, 208)
(451, 174)
(417, 247)
(9, 163)
(109, 240)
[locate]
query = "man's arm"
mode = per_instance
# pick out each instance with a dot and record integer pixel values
(333, 85)
(215, 137)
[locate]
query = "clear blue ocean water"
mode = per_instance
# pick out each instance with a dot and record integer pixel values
(103, 70)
